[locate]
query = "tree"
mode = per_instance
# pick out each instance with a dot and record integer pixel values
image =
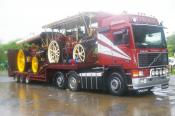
(171, 44)
(4, 49)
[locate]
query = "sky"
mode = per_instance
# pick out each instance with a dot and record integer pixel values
(24, 18)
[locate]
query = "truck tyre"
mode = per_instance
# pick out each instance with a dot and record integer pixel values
(73, 82)
(116, 84)
(60, 80)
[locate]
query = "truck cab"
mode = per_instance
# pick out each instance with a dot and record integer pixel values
(136, 44)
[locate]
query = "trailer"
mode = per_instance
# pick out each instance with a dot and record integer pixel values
(95, 50)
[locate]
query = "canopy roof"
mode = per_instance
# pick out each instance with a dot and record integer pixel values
(35, 39)
(73, 21)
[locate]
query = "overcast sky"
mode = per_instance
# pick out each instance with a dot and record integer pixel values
(22, 18)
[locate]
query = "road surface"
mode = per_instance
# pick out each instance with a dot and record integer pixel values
(41, 99)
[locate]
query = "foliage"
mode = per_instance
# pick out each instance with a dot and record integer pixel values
(172, 70)
(3, 52)
(171, 44)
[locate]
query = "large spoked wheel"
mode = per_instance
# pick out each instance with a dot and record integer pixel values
(53, 52)
(73, 82)
(79, 53)
(35, 64)
(60, 80)
(21, 61)
(116, 84)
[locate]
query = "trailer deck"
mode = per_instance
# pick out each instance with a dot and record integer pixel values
(41, 75)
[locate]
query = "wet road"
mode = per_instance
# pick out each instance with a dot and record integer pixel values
(40, 99)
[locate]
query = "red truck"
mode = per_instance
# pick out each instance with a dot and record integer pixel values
(95, 51)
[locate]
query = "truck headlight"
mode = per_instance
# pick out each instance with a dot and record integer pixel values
(164, 71)
(153, 73)
(157, 72)
(160, 72)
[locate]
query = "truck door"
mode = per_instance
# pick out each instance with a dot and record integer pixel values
(120, 45)
(104, 49)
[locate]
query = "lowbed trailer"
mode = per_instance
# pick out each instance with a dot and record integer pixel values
(86, 77)
(96, 51)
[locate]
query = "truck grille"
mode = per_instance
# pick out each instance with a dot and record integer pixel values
(152, 59)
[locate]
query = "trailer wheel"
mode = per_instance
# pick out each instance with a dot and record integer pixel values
(27, 80)
(60, 80)
(116, 84)
(73, 82)
(17, 79)
(22, 79)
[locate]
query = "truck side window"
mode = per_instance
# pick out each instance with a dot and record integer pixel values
(120, 37)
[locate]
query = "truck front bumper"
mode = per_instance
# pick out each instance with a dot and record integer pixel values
(149, 82)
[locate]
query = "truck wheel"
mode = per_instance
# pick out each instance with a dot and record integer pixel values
(73, 82)
(116, 84)
(60, 80)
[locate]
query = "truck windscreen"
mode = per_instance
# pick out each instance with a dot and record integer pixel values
(146, 36)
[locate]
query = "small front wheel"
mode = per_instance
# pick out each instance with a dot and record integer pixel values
(116, 84)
